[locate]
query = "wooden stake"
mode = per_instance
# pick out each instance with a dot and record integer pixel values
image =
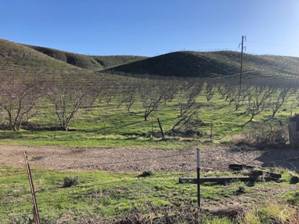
(161, 129)
(198, 175)
(211, 131)
(34, 201)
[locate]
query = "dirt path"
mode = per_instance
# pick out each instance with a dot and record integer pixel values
(121, 159)
(132, 159)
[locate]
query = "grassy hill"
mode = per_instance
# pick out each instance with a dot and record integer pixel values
(15, 56)
(205, 64)
(86, 61)
(180, 64)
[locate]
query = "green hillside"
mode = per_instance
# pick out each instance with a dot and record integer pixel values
(15, 56)
(205, 64)
(85, 61)
(179, 64)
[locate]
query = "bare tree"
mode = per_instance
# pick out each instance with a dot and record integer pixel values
(128, 96)
(153, 93)
(209, 91)
(19, 95)
(277, 100)
(188, 105)
(257, 101)
(187, 94)
(68, 96)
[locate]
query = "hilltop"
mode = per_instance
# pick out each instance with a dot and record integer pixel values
(25, 57)
(95, 63)
(178, 64)
(16, 56)
(205, 64)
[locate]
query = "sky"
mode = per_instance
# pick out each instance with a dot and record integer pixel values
(152, 27)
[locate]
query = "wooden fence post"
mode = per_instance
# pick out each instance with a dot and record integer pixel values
(161, 129)
(36, 216)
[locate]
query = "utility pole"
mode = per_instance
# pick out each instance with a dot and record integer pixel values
(238, 103)
(241, 61)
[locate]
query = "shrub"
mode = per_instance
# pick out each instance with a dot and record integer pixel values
(267, 135)
(70, 181)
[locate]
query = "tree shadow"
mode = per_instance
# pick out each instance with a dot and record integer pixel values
(275, 156)
(287, 158)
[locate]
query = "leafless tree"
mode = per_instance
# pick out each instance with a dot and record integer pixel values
(69, 93)
(209, 91)
(188, 105)
(19, 95)
(277, 100)
(129, 95)
(153, 93)
(257, 101)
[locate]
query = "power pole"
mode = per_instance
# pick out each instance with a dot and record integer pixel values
(238, 103)
(241, 61)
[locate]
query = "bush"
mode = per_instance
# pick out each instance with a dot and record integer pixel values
(70, 182)
(267, 135)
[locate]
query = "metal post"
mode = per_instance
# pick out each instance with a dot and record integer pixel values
(198, 176)
(34, 201)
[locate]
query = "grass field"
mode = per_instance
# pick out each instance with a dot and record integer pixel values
(108, 195)
(107, 125)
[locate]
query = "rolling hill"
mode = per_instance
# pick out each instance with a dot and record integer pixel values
(16, 56)
(179, 64)
(205, 64)
(95, 63)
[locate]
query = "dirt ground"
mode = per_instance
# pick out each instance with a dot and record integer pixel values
(131, 159)
(123, 159)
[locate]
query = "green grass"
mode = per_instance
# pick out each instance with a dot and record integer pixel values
(109, 195)
(98, 193)
(110, 126)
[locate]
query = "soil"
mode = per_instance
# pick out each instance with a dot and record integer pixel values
(133, 159)
(122, 159)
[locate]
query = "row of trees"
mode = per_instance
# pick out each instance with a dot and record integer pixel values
(23, 96)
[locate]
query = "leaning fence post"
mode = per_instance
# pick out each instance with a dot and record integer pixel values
(161, 129)
(198, 175)
(34, 201)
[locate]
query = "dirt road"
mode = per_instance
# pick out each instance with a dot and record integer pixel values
(124, 159)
